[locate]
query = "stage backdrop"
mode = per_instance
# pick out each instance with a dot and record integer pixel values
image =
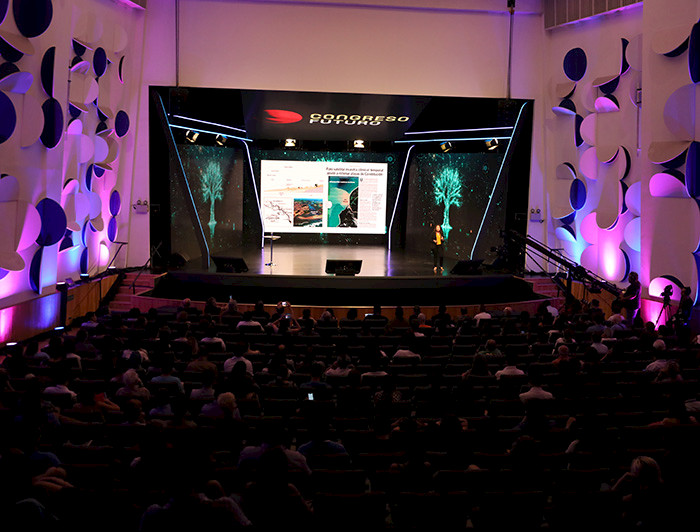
(462, 193)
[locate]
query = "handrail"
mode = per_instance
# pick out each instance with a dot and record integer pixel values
(141, 270)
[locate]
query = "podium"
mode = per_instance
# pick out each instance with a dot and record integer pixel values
(271, 237)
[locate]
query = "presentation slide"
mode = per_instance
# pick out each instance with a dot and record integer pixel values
(323, 197)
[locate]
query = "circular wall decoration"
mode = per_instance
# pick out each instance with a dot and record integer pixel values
(578, 138)
(35, 271)
(575, 63)
(9, 53)
(47, 67)
(121, 124)
(577, 194)
(8, 117)
(4, 4)
(566, 233)
(84, 256)
(3, 273)
(99, 62)
(53, 222)
(112, 229)
(115, 203)
(79, 49)
(53, 123)
(121, 69)
(33, 17)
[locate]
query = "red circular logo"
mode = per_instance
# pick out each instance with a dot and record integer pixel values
(280, 116)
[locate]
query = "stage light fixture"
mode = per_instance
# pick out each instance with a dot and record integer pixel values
(290, 143)
(358, 144)
(220, 140)
(446, 147)
(492, 144)
(191, 136)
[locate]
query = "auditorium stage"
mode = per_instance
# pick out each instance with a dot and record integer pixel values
(386, 278)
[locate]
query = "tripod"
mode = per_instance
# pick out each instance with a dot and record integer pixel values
(665, 311)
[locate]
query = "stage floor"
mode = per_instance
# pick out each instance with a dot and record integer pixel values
(377, 261)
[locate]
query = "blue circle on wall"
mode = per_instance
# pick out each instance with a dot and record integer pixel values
(7, 69)
(79, 49)
(575, 64)
(115, 203)
(99, 61)
(84, 261)
(8, 53)
(3, 273)
(35, 270)
(609, 87)
(47, 64)
(53, 123)
(33, 17)
(4, 4)
(8, 117)
(53, 222)
(121, 124)
(112, 229)
(577, 194)
(88, 176)
(694, 53)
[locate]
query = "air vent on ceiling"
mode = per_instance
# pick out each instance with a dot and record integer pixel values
(561, 12)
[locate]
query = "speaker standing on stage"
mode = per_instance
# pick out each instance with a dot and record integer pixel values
(438, 248)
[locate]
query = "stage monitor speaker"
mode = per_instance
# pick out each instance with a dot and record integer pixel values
(343, 267)
(229, 264)
(467, 267)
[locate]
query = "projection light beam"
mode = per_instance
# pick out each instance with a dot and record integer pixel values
(447, 189)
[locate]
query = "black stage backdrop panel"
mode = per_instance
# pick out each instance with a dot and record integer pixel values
(453, 190)
(215, 178)
(394, 162)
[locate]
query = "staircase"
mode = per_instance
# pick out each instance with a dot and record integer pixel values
(122, 301)
(546, 287)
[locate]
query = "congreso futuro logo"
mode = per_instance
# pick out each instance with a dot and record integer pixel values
(281, 116)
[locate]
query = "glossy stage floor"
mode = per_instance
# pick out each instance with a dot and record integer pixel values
(386, 278)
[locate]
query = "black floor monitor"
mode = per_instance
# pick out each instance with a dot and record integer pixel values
(343, 267)
(467, 267)
(229, 264)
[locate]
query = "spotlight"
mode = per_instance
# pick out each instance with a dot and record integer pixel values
(220, 140)
(11, 344)
(191, 136)
(59, 328)
(358, 144)
(492, 144)
(446, 147)
(290, 143)
(84, 276)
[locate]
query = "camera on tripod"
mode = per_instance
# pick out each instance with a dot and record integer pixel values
(667, 293)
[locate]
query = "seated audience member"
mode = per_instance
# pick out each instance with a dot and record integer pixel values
(659, 354)
(399, 322)
(187, 307)
(90, 321)
(442, 317)
(230, 362)
(566, 338)
(61, 386)
(241, 383)
(133, 387)
(213, 341)
(307, 321)
(231, 310)
(598, 325)
(166, 377)
(327, 321)
(271, 501)
(202, 363)
(224, 408)
(249, 322)
(320, 451)
(510, 367)
(490, 349)
(211, 307)
(316, 384)
(376, 317)
(669, 373)
(480, 368)
(376, 370)
(536, 392)
(272, 436)
(407, 350)
(482, 315)
(564, 362)
(162, 404)
(644, 504)
(341, 367)
(350, 319)
(206, 392)
(287, 324)
(598, 344)
(260, 312)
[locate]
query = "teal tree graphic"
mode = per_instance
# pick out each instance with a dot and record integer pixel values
(447, 188)
(212, 190)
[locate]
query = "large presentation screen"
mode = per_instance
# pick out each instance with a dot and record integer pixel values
(323, 197)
